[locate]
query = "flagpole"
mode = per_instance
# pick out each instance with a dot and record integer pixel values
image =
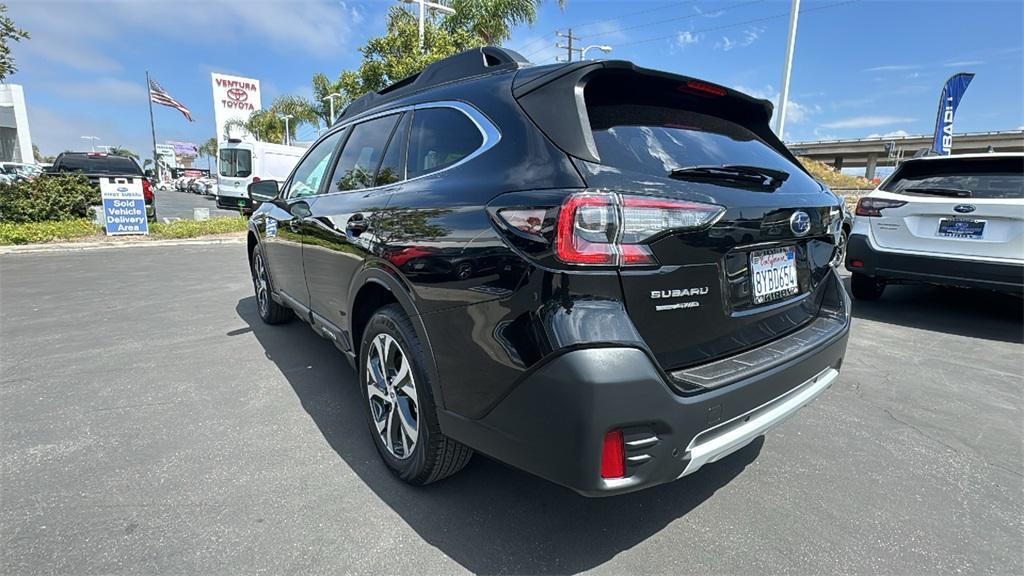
(152, 127)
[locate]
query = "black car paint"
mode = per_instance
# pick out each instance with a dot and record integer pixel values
(488, 331)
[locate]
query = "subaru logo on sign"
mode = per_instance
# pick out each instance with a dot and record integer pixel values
(963, 208)
(800, 223)
(122, 189)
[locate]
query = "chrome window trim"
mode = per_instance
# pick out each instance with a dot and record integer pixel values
(490, 133)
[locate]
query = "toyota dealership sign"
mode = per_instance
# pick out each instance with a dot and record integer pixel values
(233, 97)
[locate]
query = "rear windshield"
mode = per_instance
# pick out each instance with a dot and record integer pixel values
(971, 177)
(657, 140)
(119, 165)
(235, 163)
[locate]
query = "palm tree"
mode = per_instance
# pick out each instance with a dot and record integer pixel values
(122, 151)
(209, 150)
(267, 125)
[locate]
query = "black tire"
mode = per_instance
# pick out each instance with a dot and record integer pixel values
(433, 456)
(866, 287)
(270, 312)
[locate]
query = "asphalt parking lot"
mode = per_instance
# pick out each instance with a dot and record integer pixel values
(173, 204)
(151, 424)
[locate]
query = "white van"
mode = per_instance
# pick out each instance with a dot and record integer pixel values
(242, 163)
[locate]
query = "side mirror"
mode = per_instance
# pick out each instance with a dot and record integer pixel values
(263, 191)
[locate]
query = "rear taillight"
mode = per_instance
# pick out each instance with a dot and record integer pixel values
(608, 229)
(147, 190)
(613, 458)
(872, 207)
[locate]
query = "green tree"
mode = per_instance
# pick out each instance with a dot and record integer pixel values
(8, 31)
(209, 150)
(397, 55)
(122, 151)
(36, 154)
(267, 126)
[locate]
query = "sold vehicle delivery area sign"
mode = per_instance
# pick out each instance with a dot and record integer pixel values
(124, 206)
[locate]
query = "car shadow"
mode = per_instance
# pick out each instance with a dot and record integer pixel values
(972, 313)
(490, 518)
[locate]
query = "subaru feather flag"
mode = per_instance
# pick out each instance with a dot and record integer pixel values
(952, 92)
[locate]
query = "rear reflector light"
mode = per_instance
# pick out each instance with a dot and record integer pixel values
(856, 264)
(613, 460)
(607, 229)
(873, 207)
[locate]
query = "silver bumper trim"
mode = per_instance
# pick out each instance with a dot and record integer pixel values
(728, 437)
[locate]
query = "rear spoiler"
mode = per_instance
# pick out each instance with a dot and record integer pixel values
(553, 98)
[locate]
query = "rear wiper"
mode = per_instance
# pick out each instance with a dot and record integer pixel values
(764, 177)
(951, 192)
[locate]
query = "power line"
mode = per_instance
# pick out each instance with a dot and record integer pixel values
(676, 19)
(632, 14)
(735, 24)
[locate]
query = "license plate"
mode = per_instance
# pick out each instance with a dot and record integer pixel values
(960, 228)
(773, 274)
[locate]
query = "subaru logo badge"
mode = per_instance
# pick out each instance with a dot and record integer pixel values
(800, 223)
(963, 208)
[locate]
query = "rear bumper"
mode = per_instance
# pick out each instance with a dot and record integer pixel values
(233, 203)
(553, 423)
(897, 267)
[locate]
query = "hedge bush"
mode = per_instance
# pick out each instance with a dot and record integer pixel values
(47, 199)
(195, 228)
(36, 232)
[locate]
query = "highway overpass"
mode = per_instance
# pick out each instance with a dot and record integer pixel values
(868, 153)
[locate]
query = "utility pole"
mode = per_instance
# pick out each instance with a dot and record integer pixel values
(568, 45)
(424, 6)
(787, 66)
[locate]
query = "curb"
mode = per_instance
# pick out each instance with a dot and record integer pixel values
(104, 245)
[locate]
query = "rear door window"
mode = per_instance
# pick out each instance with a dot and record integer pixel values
(357, 165)
(235, 163)
(87, 164)
(439, 139)
(996, 177)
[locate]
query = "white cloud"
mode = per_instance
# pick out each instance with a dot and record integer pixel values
(893, 134)
(105, 89)
(796, 112)
(962, 63)
(686, 38)
(893, 68)
(867, 122)
(712, 14)
(746, 38)
(80, 35)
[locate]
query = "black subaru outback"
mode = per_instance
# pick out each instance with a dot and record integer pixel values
(605, 275)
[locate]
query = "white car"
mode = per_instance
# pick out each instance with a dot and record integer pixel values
(943, 220)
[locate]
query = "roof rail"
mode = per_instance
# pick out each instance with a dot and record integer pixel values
(473, 62)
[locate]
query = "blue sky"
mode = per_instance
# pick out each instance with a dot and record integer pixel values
(861, 68)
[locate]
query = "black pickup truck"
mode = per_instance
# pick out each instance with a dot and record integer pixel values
(96, 165)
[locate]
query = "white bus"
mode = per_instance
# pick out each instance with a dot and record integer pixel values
(242, 163)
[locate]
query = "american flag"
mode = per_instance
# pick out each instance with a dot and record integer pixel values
(160, 96)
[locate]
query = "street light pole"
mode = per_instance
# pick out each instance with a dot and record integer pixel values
(424, 6)
(287, 133)
(602, 47)
(92, 140)
(331, 98)
(787, 67)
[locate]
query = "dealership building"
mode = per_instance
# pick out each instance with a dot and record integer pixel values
(15, 139)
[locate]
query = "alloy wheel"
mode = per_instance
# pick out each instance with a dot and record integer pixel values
(262, 287)
(391, 392)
